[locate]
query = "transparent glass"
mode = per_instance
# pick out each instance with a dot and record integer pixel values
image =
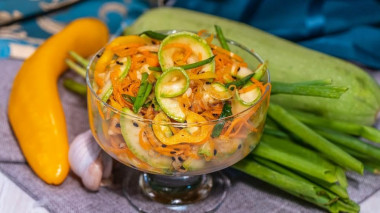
(181, 171)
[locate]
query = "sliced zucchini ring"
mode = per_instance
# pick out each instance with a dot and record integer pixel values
(200, 50)
(218, 91)
(170, 84)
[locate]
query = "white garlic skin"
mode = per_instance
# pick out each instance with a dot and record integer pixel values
(88, 161)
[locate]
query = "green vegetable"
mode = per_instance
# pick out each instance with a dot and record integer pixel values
(296, 186)
(172, 83)
(206, 150)
(312, 138)
(74, 86)
(226, 111)
(221, 38)
(334, 188)
(107, 88)
(350, 128)
(372, 167)
(322, 82)
(129, 98)
(82, 61)
(248, 98)
(218, 91)
(260, 72)
(308, 90)
(275, 132)
(147, 93)
(75, 67)
(240, 82)
(141, 93)
(351, 143)
(154, 35)
(197, 44)
(342, 179)
(296, 157)
(130, 129)
(288, 62)
(187, 66)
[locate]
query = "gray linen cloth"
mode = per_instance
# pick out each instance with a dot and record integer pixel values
(246, 194)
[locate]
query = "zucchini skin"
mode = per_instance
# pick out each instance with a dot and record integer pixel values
(288, 61)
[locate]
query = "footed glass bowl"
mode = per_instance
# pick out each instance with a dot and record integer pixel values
(175, 176)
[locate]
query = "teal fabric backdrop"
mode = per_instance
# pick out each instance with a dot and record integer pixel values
(348, 29)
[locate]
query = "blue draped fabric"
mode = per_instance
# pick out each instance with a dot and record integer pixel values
(26, 23)
(348, 29)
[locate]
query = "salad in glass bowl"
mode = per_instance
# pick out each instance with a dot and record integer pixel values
(177, 105)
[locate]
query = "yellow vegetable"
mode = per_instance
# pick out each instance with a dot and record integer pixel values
(191, 134)
(35, 111)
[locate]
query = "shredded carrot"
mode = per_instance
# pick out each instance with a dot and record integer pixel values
(201, 32)
(226, 52)
(259, 84)
(210, 38)
(98, 104)
(179, 56)
(236, 122)
(142, 142)
(250, 126)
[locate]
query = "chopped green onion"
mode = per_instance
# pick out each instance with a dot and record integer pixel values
(351, 143)
(296, 157)
(187, 66)
(226, 111)
(322, 82)
(367, 132)
(336, 189)
(75, 67)
(141, 93)
(333, 152)
(222, 40)
(154, 35)
(74, 86)
(129, 98)
(326, 91)
(302, 189)
(240, 82)
(84, 62)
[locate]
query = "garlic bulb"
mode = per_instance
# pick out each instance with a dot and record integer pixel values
(88, 161)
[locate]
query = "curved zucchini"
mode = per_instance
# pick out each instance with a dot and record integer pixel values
(250, 97)
(198, 46)
(125, 65)
(243, 101)
(218, 91)
(161, 131)
(243, 71)
(172, 83)
(130, 130)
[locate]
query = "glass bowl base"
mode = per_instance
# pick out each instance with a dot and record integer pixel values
(156, 193)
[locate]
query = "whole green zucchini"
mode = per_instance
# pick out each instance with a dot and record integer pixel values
(287, 62)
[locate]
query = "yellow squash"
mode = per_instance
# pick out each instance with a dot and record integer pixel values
(35, 111)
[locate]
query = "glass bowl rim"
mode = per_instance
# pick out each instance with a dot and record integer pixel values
(179, 124)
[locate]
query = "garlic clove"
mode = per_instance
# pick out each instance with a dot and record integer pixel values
(92, 176)
(83, 152)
